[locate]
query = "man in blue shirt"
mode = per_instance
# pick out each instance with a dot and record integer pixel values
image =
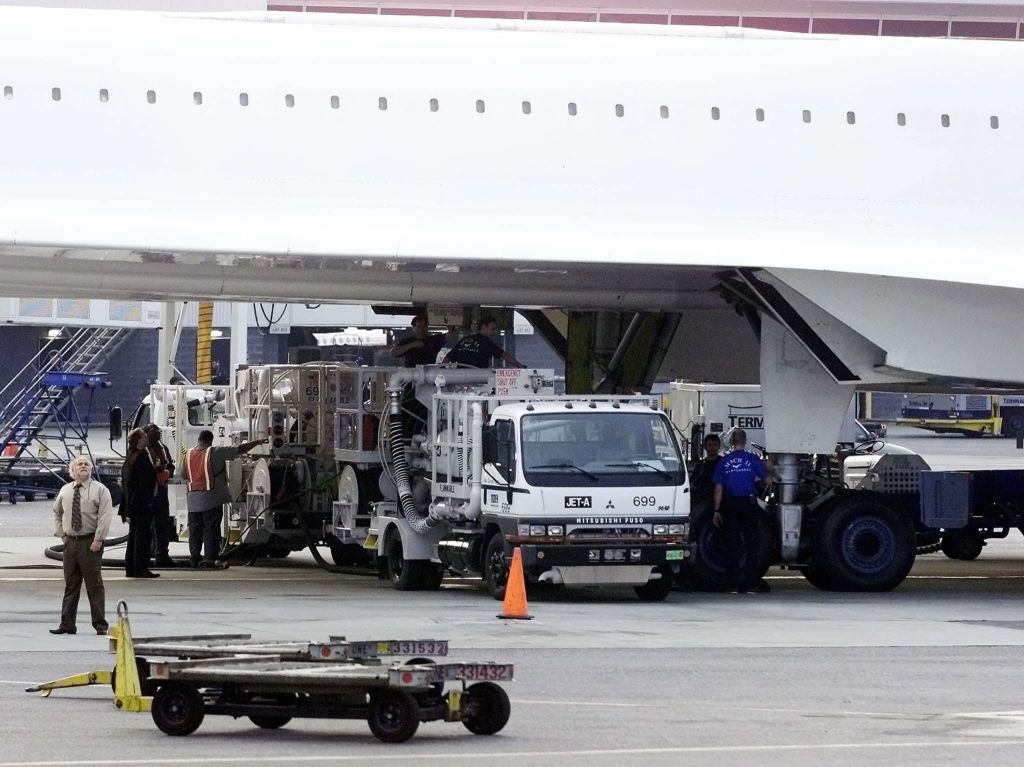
(736, 509)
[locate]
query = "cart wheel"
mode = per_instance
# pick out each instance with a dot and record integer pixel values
(394, 716)
(177, 709)
(488, 708)
(30, 497)
(147, 685)
(269, 721)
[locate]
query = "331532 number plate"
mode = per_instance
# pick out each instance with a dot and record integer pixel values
(413, 647)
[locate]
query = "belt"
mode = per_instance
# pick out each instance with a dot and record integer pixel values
(83, 536)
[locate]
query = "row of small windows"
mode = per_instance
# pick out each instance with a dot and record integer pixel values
(481, 107)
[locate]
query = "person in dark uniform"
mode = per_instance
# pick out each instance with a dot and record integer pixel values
(736, 509)
(479, 350)
(138, 478)
(163, 523)
(420, 347)
(702, 482)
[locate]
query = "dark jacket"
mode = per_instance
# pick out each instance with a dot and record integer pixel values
(138, 478)
(160, 458)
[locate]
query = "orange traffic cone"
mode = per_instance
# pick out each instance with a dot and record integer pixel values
(514, 606)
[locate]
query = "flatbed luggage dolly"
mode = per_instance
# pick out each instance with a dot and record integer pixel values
(274, 682)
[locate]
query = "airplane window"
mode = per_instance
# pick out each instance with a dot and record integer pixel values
(8, 92)
(664, 112)
(434, 106)
(572, 108)
(851, 118)
(382, 104)
(527, 108)
(289, 100)
(55, 94)
(480, 106)
(619, 110)
(715, 113)
(335, 102)
(151, 97)
(104, 95)
(993, 121)
(901, 119)
(759, 115)
(243, 99)
(807, 115)
(945, 121)
(197, 99)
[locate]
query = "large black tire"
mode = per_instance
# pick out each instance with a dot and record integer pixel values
(269, 721)
(707, 570)
(394, 715)
(495, 567)
(408, 574)
(962, 544)
(863, 545)
(488, 708)
(656, 589)
(177, 709)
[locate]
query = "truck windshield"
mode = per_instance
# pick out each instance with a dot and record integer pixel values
(604, 448)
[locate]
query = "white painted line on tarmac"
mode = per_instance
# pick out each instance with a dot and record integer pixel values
(733, 707)
(18, 682)
(492, 755)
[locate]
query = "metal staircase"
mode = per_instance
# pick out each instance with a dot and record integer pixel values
(65, 365)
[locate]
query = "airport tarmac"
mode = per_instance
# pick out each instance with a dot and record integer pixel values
(929, 674)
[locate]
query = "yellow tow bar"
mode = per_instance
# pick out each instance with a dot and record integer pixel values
(127, 685)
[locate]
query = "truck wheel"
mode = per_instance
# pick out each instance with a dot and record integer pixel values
(488, 708)
(177, 709)
(394, 715)
(817, 578)
(962, 544)
(708, 569)
(863, 545)
(269, 721)
(656, 589)
(495, 569)
(408, 574)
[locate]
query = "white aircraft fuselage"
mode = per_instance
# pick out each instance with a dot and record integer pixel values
(874, 182)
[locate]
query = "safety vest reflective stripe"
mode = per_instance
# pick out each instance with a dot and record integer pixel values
(199, 469)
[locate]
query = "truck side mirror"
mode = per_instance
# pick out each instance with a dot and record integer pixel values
(116, 424)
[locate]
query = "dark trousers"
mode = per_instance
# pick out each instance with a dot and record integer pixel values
(140, 542)
(164, 531)
(740, 520)
(81, 564)
(204, 533)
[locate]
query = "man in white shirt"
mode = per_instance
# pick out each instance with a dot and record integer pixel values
(82, 515)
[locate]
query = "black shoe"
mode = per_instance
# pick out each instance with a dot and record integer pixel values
(148, 574)
(102, 632)
(212, 565)
(62, 630)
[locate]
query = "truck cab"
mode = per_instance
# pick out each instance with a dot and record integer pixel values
(591, 492)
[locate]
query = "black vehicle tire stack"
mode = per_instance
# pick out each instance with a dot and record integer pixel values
(269, 721)
(409, 574)
(707, 570)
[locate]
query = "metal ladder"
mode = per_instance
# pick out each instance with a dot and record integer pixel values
(58, 371)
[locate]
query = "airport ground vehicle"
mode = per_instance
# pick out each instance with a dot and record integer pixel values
(857, 518)
(438, 468)
(973, 415)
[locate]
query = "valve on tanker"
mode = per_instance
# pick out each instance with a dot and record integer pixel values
(278, 429)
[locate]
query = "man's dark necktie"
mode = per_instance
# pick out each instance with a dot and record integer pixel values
(76, 510)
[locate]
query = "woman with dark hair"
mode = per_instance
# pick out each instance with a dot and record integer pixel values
(138, 479)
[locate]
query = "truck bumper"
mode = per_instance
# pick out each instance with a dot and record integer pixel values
(538, 558)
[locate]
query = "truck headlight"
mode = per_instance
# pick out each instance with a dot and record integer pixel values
(556, 530)
(537, 530)
(661, 529)
(677, 529)
(523, 530)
